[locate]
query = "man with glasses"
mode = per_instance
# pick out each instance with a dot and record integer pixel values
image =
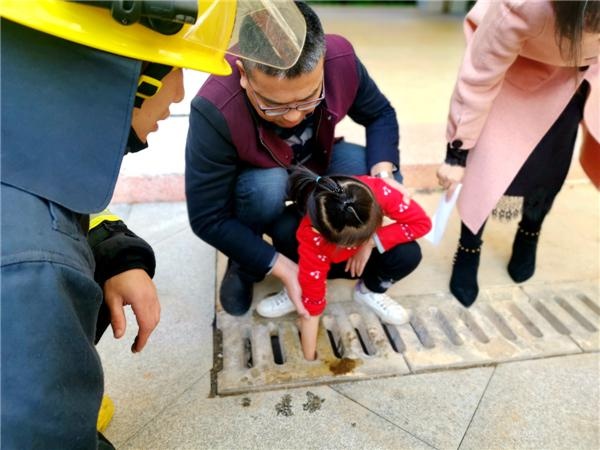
(247, 129)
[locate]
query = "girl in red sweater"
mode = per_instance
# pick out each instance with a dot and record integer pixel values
(343, 222)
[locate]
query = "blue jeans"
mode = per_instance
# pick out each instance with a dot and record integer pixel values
(51, 378)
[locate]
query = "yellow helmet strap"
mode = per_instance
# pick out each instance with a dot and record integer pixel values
(150, 82)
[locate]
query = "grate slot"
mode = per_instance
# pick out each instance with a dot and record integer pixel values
(247, 359)
(276, 347)
(551, 318)
(575, 314)
(421, 331)
(499, 323)
(589, 303)
(363, 337)
(336, 344)
(447, 328)
(527, 323)
(473, 326)
(335, 339)
(394, 337)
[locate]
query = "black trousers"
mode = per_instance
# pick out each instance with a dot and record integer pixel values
(547, 166)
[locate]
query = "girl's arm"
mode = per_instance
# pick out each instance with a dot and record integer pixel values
(313, 266)
(309, 329)
(410, 221)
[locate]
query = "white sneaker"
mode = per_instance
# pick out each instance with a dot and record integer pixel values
(387, 309)
(275, 306)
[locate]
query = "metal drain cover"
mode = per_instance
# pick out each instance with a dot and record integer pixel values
(504, 325)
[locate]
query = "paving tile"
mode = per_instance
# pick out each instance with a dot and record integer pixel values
(180, 349)
(122, 210)
(310, 418)
(540, 404)
(157, 221)
(434, 407)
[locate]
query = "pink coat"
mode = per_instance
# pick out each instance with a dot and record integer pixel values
(512, 85)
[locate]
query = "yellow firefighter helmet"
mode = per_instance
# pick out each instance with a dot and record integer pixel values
(192, 34)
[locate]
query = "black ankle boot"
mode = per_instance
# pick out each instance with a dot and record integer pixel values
(521, 266)
(463, 283)
(236, 290)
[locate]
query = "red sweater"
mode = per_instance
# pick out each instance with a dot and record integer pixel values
(316, 254)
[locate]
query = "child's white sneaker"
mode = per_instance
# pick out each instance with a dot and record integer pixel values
(387, 309)
(275, 306)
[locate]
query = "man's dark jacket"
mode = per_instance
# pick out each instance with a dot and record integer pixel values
(226, 135)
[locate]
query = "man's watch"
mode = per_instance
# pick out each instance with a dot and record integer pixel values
(384, 174)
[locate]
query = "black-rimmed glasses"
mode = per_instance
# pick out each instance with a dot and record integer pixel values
(273, 111)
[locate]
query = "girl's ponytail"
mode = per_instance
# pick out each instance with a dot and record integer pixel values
(302, 183)
(341, 208)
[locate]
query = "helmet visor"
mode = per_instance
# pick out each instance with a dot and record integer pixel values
(269, 32)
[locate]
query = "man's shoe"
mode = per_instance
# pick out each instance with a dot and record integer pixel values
(387, 309)
(276, 305)
(236, 292)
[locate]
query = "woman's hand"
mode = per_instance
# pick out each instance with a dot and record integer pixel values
(450, 176)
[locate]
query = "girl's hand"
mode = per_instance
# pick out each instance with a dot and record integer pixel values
(357, 262)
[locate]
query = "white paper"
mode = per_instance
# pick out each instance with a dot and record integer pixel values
(439, 221)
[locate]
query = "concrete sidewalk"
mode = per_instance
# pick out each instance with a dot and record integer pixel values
(162, 395)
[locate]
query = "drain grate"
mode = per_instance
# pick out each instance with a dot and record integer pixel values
(504, 325)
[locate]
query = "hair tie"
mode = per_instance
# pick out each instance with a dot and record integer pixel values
(317, 179)
(349, 206)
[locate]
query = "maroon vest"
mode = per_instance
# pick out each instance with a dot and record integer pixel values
(259, 146)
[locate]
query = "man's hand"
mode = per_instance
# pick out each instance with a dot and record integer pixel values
(357, 262)
(450, 176)
(133, 287)
(399, 187)
(386, 166)
(287, 271)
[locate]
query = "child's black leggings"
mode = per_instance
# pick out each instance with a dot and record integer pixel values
(384, 269)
